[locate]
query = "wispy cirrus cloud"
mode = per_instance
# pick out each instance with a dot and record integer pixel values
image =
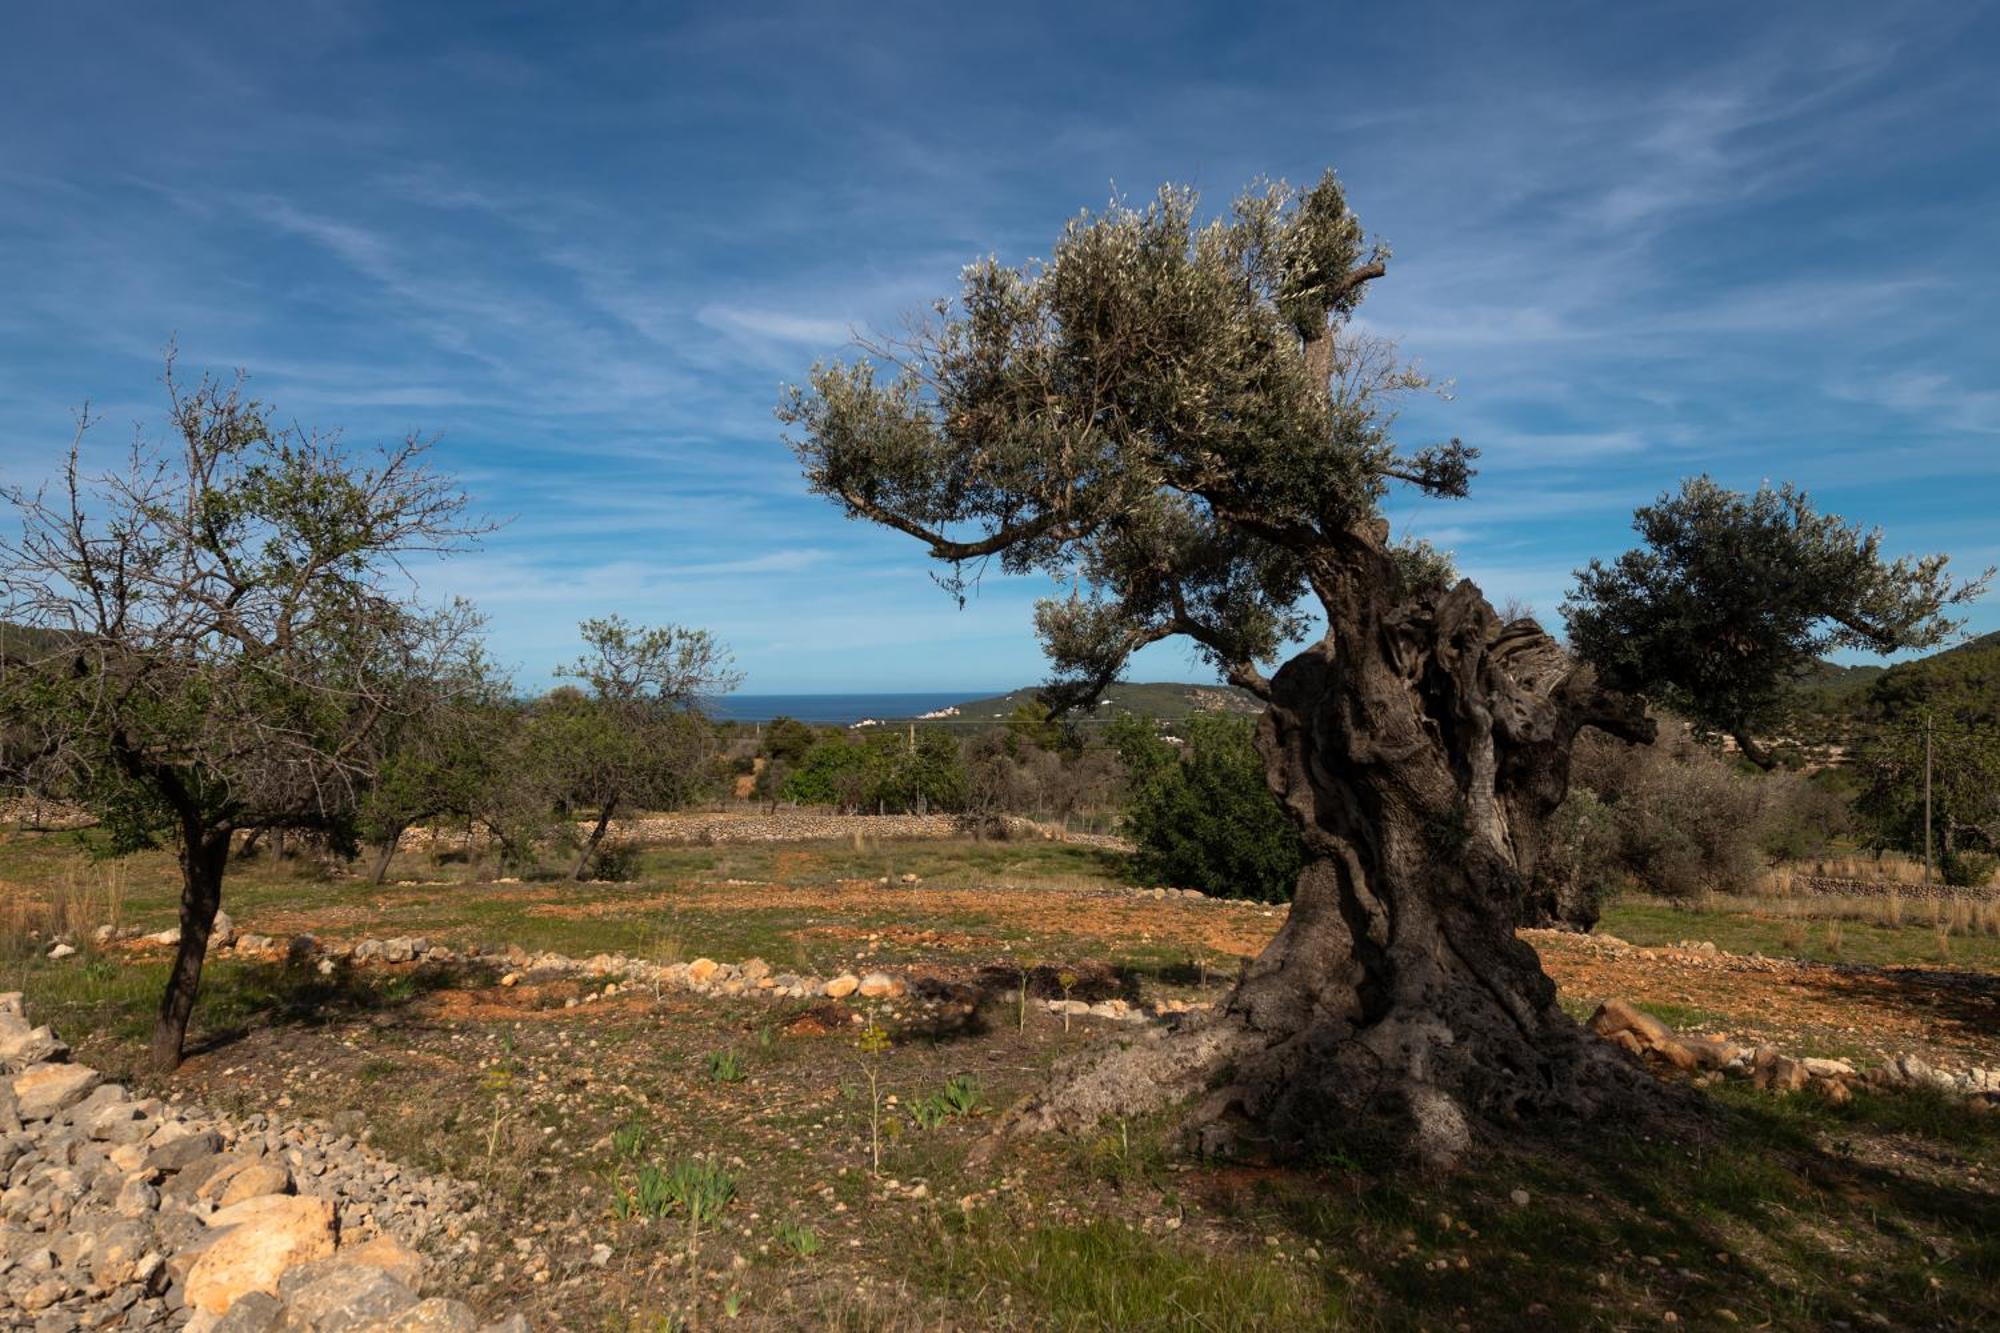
(585, 250)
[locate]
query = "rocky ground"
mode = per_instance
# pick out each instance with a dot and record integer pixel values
(123, 1211)
(582, 1089)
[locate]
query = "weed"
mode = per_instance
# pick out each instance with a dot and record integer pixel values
(799, 1238)
(873, 1043)
(629, 1141)
(726, 1067)
(962, 1094)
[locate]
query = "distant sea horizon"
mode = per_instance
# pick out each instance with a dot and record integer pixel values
(840, 710)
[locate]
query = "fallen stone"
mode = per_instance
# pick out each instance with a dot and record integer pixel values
(335, 1296)
(259, 1240)
(842, 986)
(700, 970)
(1618, 1016)
(879, 985)
(42, 1092)
(388, 1254)
(255, 1181)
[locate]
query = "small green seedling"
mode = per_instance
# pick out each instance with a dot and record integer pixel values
(799, 1238)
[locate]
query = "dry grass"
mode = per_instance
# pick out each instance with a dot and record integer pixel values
(1876, 868)
(85, 896)
(1958, 915)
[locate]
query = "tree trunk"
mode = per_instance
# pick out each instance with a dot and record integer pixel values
(1747, 745)
(204, 854)
(596, 836)
(386, 855)
(1420, 748)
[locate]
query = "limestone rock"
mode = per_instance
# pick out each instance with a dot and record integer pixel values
(255, 1181)
(842, 986)
(701, 969)
(435, 1315)
(879, 985)
(42, 1092)
(388, 1254)
(334, 1296)
(260, 1239)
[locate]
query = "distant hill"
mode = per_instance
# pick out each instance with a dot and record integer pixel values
(1841, 704)
(1161, 701)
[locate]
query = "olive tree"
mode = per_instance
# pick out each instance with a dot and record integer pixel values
(1177, 420)
(1734, 597)
(229, 631)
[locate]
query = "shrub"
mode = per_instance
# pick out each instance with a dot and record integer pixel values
(1209, 822)
(614, 862)
(1672, 818)
(1969, 870)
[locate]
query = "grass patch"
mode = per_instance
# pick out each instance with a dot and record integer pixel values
(1103, 1276)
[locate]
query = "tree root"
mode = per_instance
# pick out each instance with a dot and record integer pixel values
(1395, 1087)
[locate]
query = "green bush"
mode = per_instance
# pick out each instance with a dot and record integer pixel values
(1969, 870)
(614, 863)
(1209, 821)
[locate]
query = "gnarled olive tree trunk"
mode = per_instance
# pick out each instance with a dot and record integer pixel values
(1420, 747)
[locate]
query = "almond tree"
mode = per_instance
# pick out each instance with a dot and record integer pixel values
(635, 736)
(1177, 421)
(227, 632)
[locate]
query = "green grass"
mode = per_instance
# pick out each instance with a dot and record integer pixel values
(1103, 1276)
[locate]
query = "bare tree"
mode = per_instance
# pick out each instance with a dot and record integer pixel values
(228, 629)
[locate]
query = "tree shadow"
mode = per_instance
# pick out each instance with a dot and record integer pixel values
(245, 997)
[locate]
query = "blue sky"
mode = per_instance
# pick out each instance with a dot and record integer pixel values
(585, 243)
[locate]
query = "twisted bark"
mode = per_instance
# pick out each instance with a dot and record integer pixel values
(1420, 747)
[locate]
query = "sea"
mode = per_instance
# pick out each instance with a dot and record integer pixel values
(842, 710)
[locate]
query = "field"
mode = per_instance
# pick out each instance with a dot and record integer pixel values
(1775, 1211)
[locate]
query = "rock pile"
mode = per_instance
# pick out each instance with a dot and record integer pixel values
(125, 1212)
(1646, 1037)
(752, 978)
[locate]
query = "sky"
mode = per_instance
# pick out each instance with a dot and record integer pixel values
(585, 244)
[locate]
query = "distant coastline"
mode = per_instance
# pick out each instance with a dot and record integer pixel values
(1162, 701)
(836, 710)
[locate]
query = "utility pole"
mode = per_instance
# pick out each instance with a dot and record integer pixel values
(1927, 803)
